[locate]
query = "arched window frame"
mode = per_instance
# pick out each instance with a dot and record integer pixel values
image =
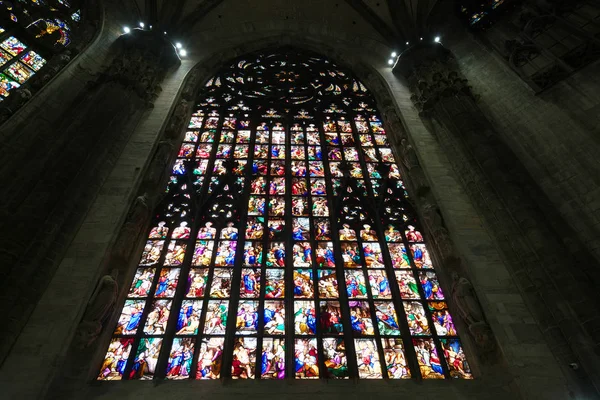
(27, 59)
(183, 200)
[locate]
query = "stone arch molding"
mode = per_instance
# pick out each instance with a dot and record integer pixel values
(91, 337)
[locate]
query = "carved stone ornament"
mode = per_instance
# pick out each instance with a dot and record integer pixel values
(417, 176)
(99, 308)
(177, 120)
(469, 308)
(432, 74)
(131, 229)
(141, 61)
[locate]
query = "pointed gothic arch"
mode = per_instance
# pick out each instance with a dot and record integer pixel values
(284, 245)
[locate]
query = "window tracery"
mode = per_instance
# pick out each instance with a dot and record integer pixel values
(285, 247)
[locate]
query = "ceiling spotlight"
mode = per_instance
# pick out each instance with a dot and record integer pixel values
(437, 39)
(182, 53)
(421, 38)
(126, 29)
(394, 54)
(150, 26)
(142, 25)
(178, 45)
(165, 32)
(407, 43)
(390, 61)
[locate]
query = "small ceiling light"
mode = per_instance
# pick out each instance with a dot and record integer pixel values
(178, 45)
(437, 39)
(182, 53)
(394, 54)
(150, 26)
(142, 25)
(165, 32)
(421, 38)
(390, 61)
(407, 43)
(126, 29)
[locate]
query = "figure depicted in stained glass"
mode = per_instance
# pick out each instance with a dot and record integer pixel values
(274, 315)
(247, 317)
(302, 254)
(142, 282)
(328, 285)
(355, 285)
(216, 317)
(299, 187)
(395, 359)
(306, 359)
(167, 282)
(303, 284)
(330, 319)
(131, 315)
(207, 232)
(175, 253)
(300, 229)
(351, 255)
(399, 257)
(152, 252)
(250, 284)
(421, 256)
(380, 285)
(387, 321)
(319, 208)
(253, 254)
(156, 322)
(417, 321)
(202, 253)
(305, 320)
(244, 356)
(367, 359)
(146, 357)
(335, 358)
(272, 364)
(159, 232)
(428, 358)
(455, 357)
(220, 287)
(346, 233)
(275, 285)
(277, 206)
(180, 359)
(431, 286)
(276, 255)
(115, 360)
(256, 205)
(360, 318)
(325, 255)
(209, 359)
(407, 285)
(226, 253)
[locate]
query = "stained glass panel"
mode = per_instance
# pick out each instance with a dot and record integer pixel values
(295, 253)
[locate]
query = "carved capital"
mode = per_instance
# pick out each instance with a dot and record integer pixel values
(432, 74)
(141, 61)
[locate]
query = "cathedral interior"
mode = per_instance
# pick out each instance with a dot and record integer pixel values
(415, 183)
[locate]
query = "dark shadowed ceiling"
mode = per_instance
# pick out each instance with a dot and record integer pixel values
(391, 22)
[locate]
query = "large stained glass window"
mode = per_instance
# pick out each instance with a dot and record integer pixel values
(31, 32)
(285, 247)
